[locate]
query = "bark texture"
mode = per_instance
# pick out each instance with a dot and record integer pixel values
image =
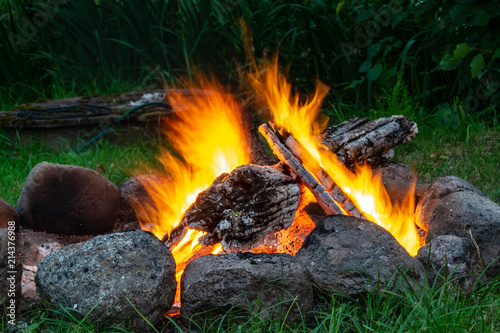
(359, 139)
(323, 197)
(335, 191)
(241, 207)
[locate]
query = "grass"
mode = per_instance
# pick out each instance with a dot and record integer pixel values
(119, 161)
(473, 156)
(430, 309)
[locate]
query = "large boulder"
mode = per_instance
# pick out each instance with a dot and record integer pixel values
(452, 206)
(438, 190)
(67, 199)
(7, 214)
(10, 272)
(275, 284)
(355, 256)
(398, 180)
(115, 278)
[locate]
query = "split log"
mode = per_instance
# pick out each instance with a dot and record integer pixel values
(335, 191)
(324, 198)
(360, 140)
(244, 206)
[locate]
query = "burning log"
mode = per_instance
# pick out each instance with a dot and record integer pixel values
(244, 206)
(324, 198)
(354, 141)
(337, 194)
(358, 140)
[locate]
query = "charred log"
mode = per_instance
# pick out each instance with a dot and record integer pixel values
(362, 140)
(335, 191)
(243, 206)
(324, 198)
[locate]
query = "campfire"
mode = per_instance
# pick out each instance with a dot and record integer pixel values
(211, 199)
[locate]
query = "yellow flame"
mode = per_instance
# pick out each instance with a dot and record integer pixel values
(208, 133)
(365, 190)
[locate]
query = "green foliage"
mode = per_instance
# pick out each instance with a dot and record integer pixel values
(442, 50)
(465, 42)
(119, 161)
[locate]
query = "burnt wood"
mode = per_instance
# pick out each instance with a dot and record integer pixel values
(107, 109)
(335, 191)
(241, 207)
(323, 197)
(361, 140)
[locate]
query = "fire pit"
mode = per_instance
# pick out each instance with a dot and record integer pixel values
(250, 207)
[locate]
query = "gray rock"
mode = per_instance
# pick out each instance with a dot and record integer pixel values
(33, 247)
(354, 256)
(67, 199)
(104, 271)
(133, 193)
(469, 215)
(438, 190)
(7, 214)
(260, 280)
(398, 180)
(451, 258)
(10, 273)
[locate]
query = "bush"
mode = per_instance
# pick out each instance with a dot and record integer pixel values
(446, 52)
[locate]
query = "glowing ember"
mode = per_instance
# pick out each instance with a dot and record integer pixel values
(186, 251)
(365, 190)
(208, 133)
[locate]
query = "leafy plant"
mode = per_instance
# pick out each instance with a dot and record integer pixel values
(445, 52)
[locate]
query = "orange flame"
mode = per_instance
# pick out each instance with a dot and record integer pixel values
(366, 191)
(208, 133)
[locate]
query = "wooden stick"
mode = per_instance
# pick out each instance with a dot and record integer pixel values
(323, 197)
(336, 192)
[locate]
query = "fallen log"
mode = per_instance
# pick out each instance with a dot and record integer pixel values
(361, 140)
(244, 206)
(324, 198)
